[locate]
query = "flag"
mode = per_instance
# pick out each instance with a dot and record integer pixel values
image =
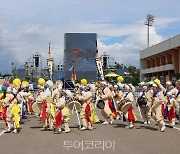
(71, 68)
(49, 52)
(73, 77)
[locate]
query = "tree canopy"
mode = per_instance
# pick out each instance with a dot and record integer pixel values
(132, 75)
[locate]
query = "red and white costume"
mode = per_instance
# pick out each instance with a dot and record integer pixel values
(129, 115)
(170, 105)
(85, 113)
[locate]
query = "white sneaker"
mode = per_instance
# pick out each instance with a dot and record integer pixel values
(44, 129)
(131, 126)
(163, 128)
(8, 130)
(148, 122)
(15, 131)
(145, 123)
(105, 123)
(91, 128)
(67, 131)
(50, 129)
(83, 128)
(127, 127)
(57, 132)
(111, 122)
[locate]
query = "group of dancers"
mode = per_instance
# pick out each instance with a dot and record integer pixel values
(52, 104)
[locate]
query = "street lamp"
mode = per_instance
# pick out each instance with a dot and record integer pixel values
(149, 21)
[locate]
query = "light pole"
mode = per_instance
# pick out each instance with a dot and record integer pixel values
(149, 21)
(12, 64)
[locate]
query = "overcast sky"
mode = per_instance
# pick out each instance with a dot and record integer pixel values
(27, 26)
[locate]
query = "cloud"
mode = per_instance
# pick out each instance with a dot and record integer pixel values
(163, 22)
(19, 41)
(127, 52)
(20, 45)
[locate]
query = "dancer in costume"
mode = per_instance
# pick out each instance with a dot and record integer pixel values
(129, 115)
(165, 90)
(47, 106)
(112, 103)
(94, 117)
(176, 96)
(86, 99)
(106, 95)
(12, 103)
(144, 106)
(57, 91)
(30, 97)
(3, 109)
(38, 101)
(62, 115)
(170, 105)
(157, 100)
(24, 96)
(118, 94)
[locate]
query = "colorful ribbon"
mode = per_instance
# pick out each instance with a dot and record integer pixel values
(87, 112)
(44, 106)
(58, 119)
(15, 112)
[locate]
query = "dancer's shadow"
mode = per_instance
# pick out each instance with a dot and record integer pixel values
(119, 125)
(147, 127)
(168, 126)
(139, 122)
(35, 127)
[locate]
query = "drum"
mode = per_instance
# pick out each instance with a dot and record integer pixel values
(100, 104)
(74, 105)
(141, 102)
(124, 106)
(36, 107)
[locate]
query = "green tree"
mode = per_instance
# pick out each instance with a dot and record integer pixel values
(132, 75)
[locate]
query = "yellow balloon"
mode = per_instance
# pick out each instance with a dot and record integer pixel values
(41, 81)
(17, 81)
(157, 81)
(120, 78)
(83, 81)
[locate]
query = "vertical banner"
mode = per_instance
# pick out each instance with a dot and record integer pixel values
(50, 67)
(99, 66)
